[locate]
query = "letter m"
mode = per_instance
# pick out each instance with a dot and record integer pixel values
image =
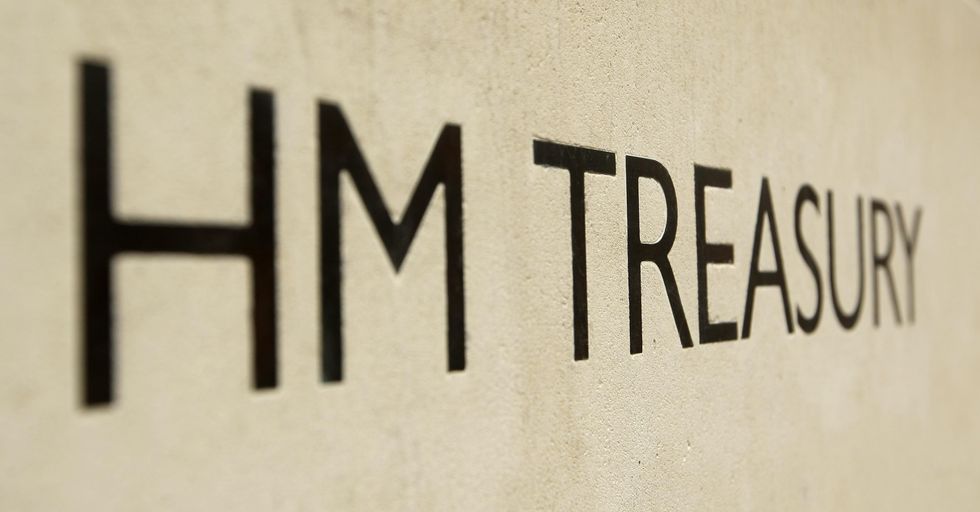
(339, 152)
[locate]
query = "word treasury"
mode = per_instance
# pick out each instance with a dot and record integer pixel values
(885, 246)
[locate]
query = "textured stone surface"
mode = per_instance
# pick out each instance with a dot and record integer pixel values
(865, 98)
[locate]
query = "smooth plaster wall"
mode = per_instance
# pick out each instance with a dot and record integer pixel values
(871, 98)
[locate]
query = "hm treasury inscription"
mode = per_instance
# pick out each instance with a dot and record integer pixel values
(105, 237)
(489, 256)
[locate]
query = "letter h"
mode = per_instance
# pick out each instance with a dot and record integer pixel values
(105, 237)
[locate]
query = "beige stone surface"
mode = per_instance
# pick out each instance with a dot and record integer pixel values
(865, 98)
